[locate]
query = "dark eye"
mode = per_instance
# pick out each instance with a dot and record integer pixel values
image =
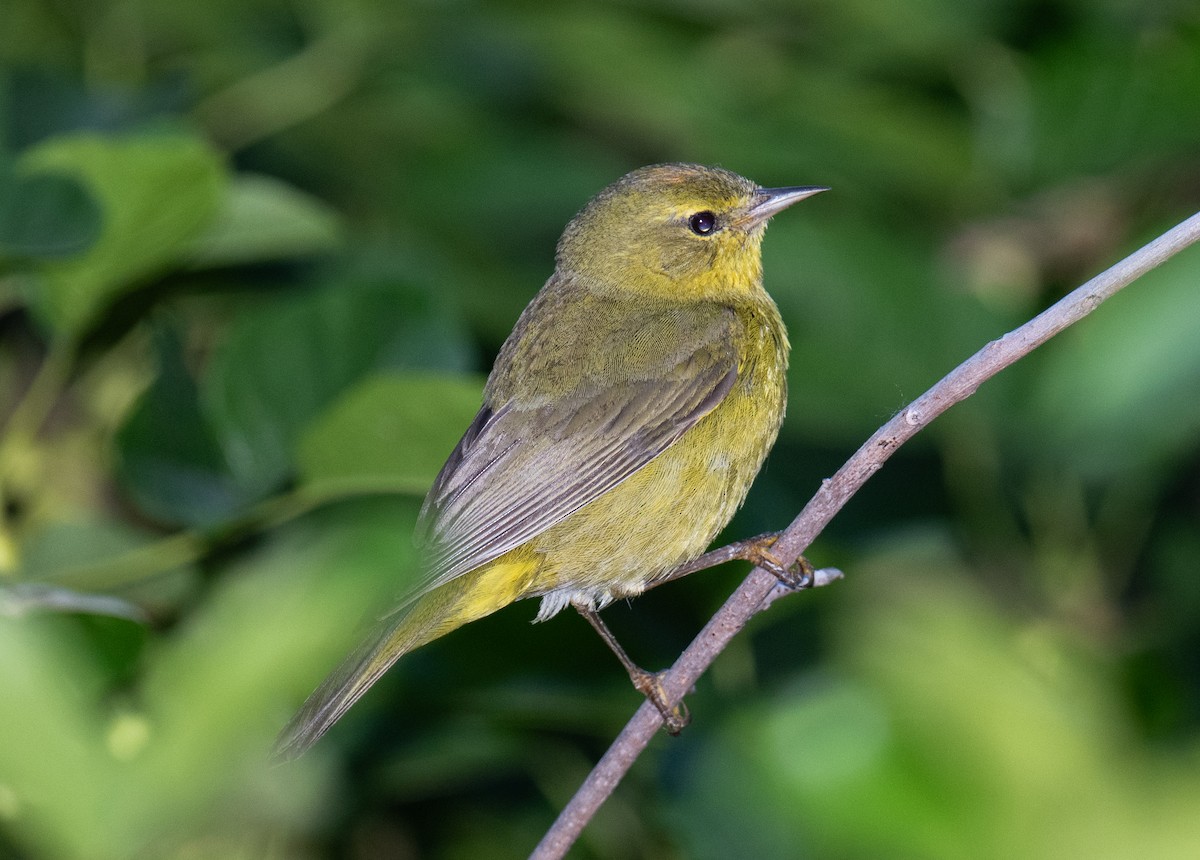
(703, 223)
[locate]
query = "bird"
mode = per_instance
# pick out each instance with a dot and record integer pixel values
(621, 427)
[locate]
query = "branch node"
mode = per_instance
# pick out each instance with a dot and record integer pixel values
(819, 579)
(826, 575)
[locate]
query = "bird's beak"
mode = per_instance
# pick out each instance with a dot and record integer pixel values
(768, 201)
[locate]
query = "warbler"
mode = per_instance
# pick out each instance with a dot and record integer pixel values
(622, 424)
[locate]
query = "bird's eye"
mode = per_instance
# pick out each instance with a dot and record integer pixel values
(703, 223)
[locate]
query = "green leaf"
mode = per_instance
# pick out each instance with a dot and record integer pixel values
(156, 193)
(211, 695)
(262, 218)
(390, 432)
(96, 554)
(49, 684)
(45, 216)
(284, 362)
(169, 460)
(62, 545)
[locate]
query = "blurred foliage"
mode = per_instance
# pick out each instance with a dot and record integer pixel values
(256, 255)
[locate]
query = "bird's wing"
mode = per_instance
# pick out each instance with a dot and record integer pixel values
(525, 464)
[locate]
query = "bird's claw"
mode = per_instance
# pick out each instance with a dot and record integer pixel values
(649, 684)
(797, 576)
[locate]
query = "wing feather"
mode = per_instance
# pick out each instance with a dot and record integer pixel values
(527, 463)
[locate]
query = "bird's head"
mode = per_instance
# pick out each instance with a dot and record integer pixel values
(678, 230)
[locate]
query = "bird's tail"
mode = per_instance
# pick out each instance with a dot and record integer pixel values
(458, 602)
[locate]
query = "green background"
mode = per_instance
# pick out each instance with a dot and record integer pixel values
(256, 257)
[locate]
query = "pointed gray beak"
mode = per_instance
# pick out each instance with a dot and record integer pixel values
(772, 200)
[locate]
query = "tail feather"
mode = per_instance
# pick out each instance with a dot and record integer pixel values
(435, 614)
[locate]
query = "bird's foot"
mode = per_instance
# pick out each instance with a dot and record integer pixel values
(798, 575)
(649, 684)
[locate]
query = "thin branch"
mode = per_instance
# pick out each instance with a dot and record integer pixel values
(755, 592)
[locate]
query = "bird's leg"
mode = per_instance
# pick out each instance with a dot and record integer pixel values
(756, 550)
(649, 684)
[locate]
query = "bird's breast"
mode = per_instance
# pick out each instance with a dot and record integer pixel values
(669, 511)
